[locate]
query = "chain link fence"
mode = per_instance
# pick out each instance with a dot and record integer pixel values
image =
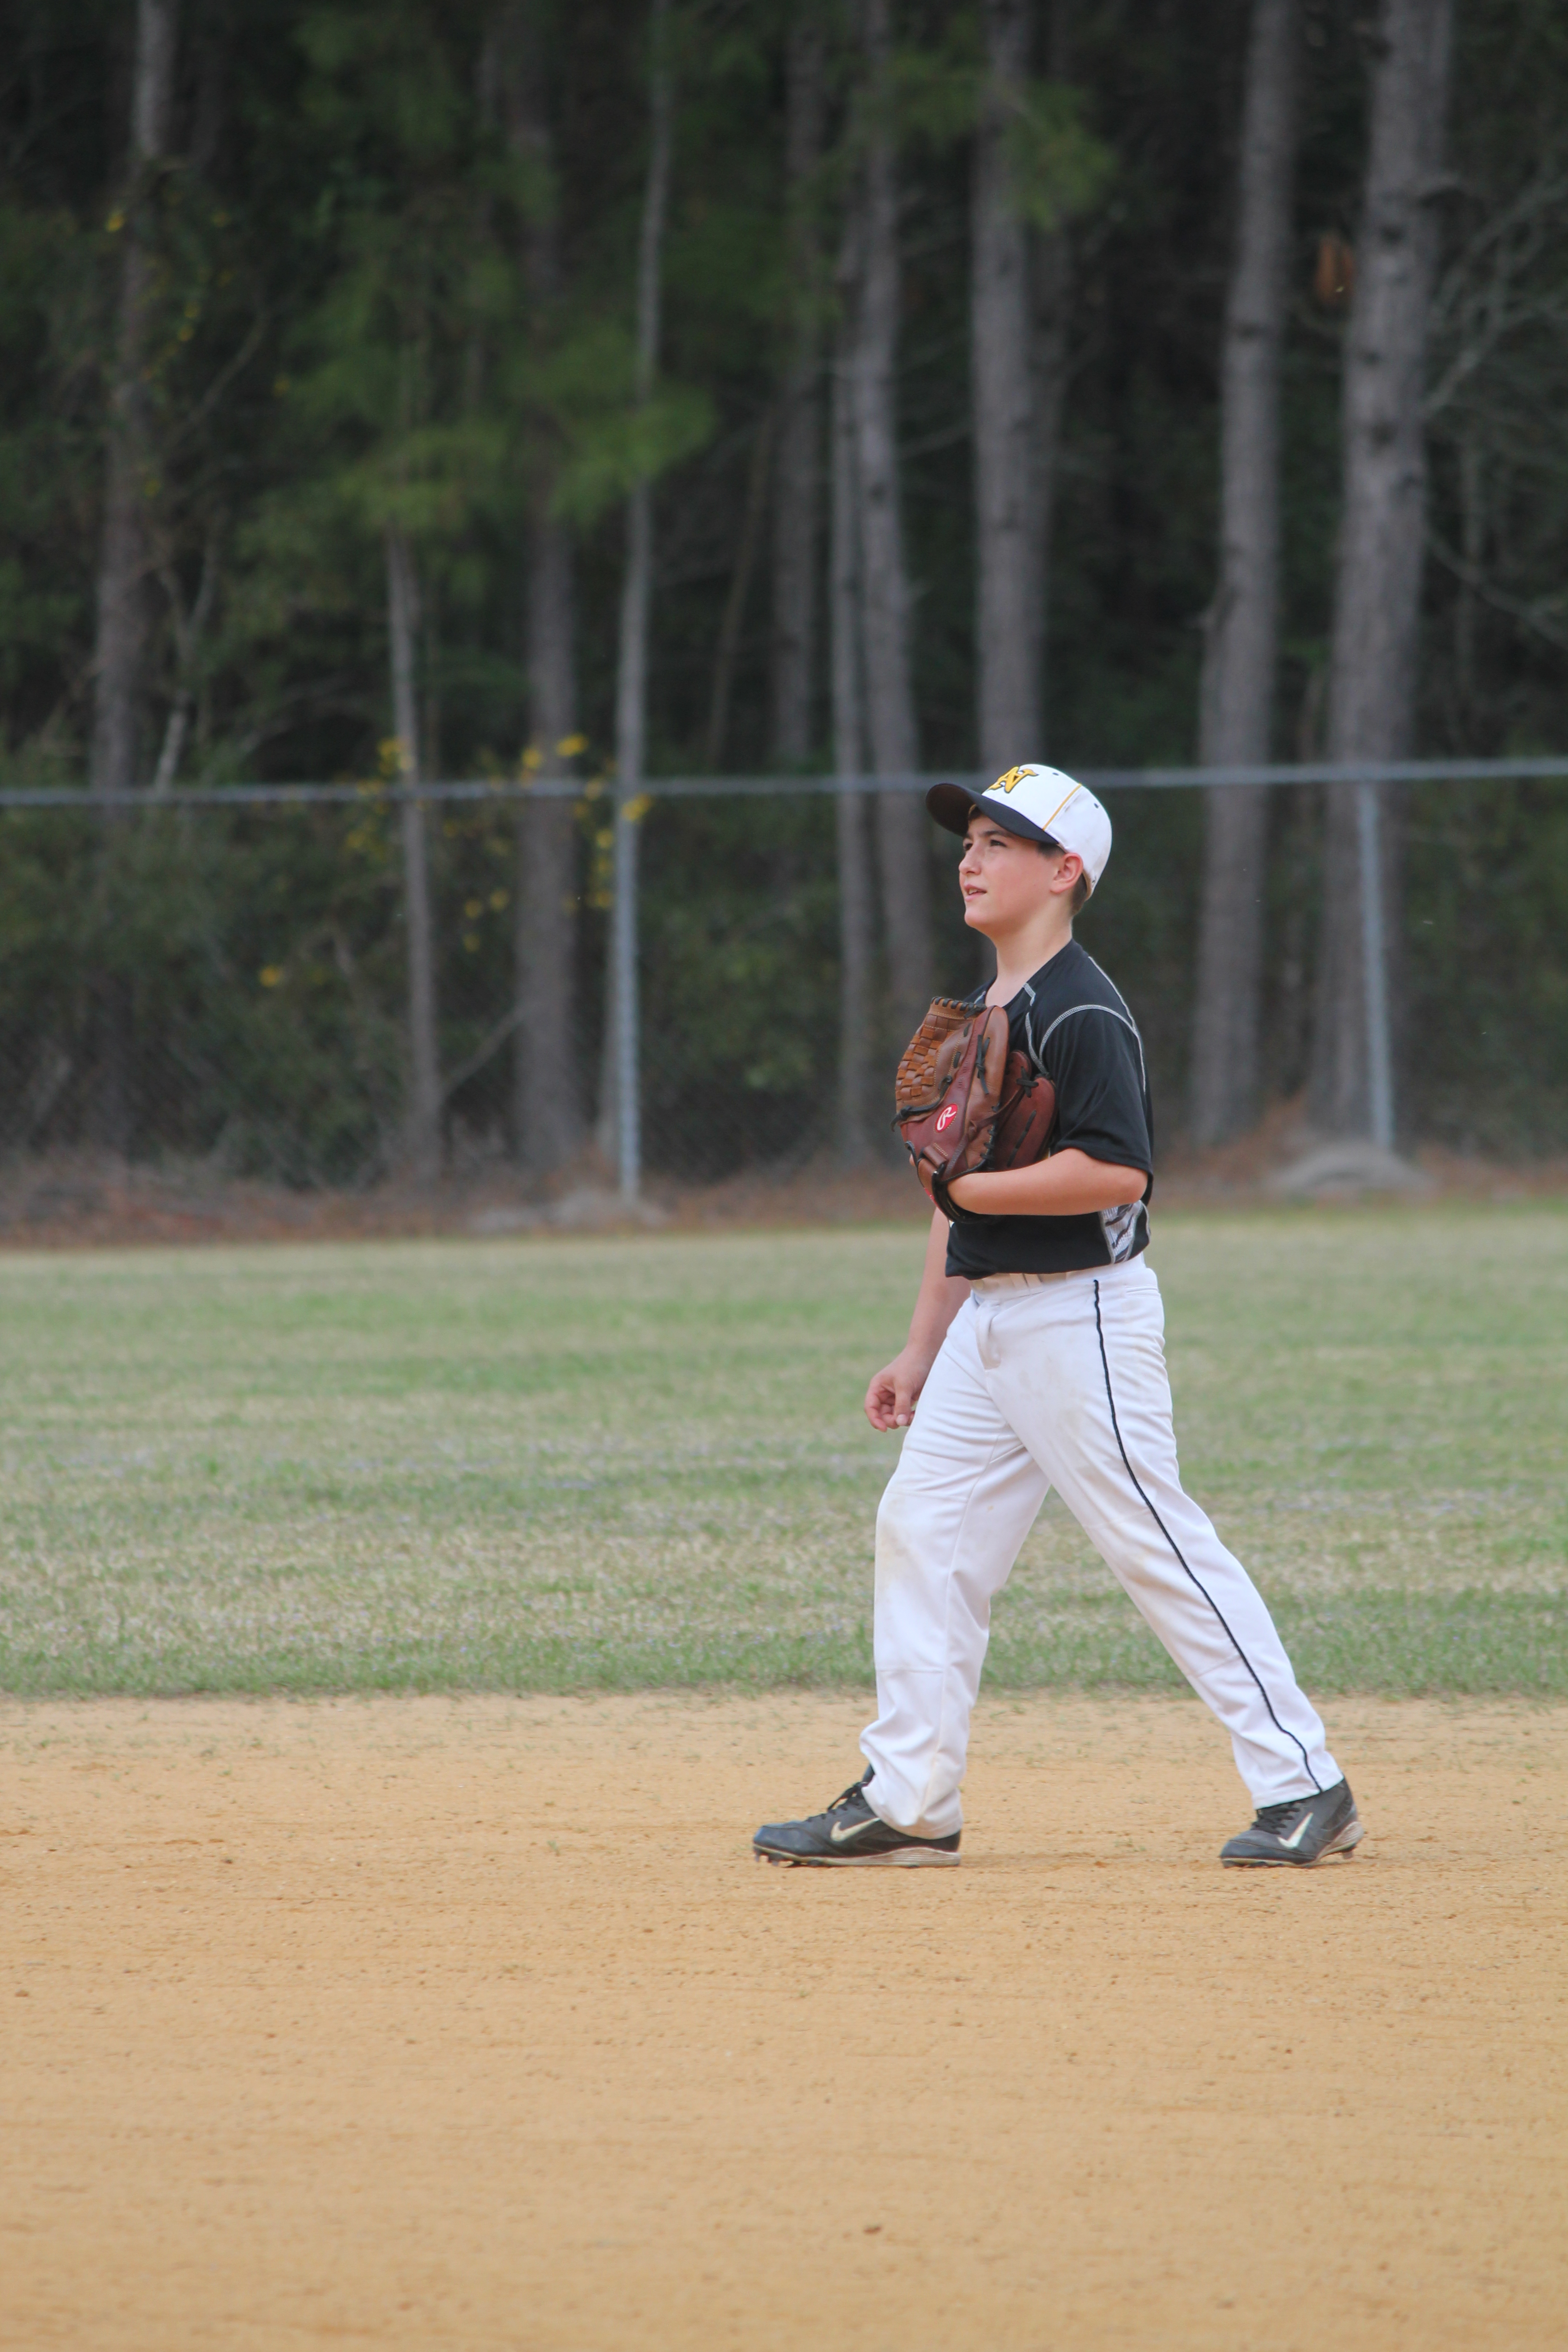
(219, 977)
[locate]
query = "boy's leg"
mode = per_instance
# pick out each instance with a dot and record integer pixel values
(965, 1495)
(1077, 1368)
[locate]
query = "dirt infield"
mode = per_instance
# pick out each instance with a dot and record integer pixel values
(472, 2024)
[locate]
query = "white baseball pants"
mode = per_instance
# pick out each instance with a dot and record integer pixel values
(1059, 1380)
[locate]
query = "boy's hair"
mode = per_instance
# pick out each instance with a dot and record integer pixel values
(1048, 848)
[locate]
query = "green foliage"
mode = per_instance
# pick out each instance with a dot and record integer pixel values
(608, 444)
(47, 445)
(1487, 878)
(741, 983)
(936, 87)
(263, 964)
(1061, 169)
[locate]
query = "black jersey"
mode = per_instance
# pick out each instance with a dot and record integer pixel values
(1071, 1023)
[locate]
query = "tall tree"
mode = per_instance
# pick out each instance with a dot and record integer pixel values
(1008, 532)
(125, 561)
(902, 831)
(388, 402)
(856, 909)
(1241, 626)
(125, 555)
(1371, 671)
(797, 481)
(547, 1113)
(1089, 167)
(637, 586)
(1037, 166)
(403, 631)
(754, 512)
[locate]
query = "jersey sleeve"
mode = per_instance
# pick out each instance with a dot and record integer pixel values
(1094, 1058)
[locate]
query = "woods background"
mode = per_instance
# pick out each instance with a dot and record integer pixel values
(404, 391)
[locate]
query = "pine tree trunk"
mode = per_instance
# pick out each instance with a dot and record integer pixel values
(548, 1106)
(797, 478)
(423, 1123)
(1242, 625)
(547, 1098)
(124, 574)
(189, 629)
(621, 1130)
(727, 652)
(1051, 283)
(902, 828)
(1372, 669)
(1051, 271)
(856, 912)
(125, 555)
(1009, 540)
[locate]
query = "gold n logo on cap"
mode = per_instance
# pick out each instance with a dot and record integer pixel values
(1010, 782)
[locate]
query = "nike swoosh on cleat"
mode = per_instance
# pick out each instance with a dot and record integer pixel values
(841, 1832)
(1299, 1832)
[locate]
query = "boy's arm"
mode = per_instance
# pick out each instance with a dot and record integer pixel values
(1068, 1184)
(890, 1399)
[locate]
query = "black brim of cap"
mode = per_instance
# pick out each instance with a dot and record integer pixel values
(953, 807)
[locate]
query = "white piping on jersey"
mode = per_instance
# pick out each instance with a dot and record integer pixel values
(1038, 1052)
(1112, 985)
(1126, 1019)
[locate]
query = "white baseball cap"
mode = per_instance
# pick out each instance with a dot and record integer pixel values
(1038, 804)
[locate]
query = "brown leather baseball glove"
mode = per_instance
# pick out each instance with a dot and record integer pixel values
(965, 1102)
(1025, 1119)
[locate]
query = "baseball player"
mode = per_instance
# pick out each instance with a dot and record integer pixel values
(1036, 1359)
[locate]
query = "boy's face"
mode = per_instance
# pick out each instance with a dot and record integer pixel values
(1006, 882)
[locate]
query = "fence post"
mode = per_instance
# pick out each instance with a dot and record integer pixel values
(624, 997)
(1375, 966)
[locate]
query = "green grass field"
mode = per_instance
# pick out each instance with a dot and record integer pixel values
(579, 1464)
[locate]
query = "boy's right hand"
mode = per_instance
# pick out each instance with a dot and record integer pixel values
(890, 1399)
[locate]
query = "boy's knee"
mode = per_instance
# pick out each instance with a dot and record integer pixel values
(895, 1525)
(903, 1539)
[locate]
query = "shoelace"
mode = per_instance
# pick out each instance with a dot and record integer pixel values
(856, 1788)
(1273, 1818)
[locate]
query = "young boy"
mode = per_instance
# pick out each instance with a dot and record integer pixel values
(1036, 1359)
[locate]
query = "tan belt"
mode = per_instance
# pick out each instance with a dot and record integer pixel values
(992, 1282)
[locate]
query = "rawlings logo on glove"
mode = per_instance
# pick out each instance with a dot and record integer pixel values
(965, 1103)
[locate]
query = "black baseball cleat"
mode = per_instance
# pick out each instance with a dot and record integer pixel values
(849, 1835)
(1301, 1832)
